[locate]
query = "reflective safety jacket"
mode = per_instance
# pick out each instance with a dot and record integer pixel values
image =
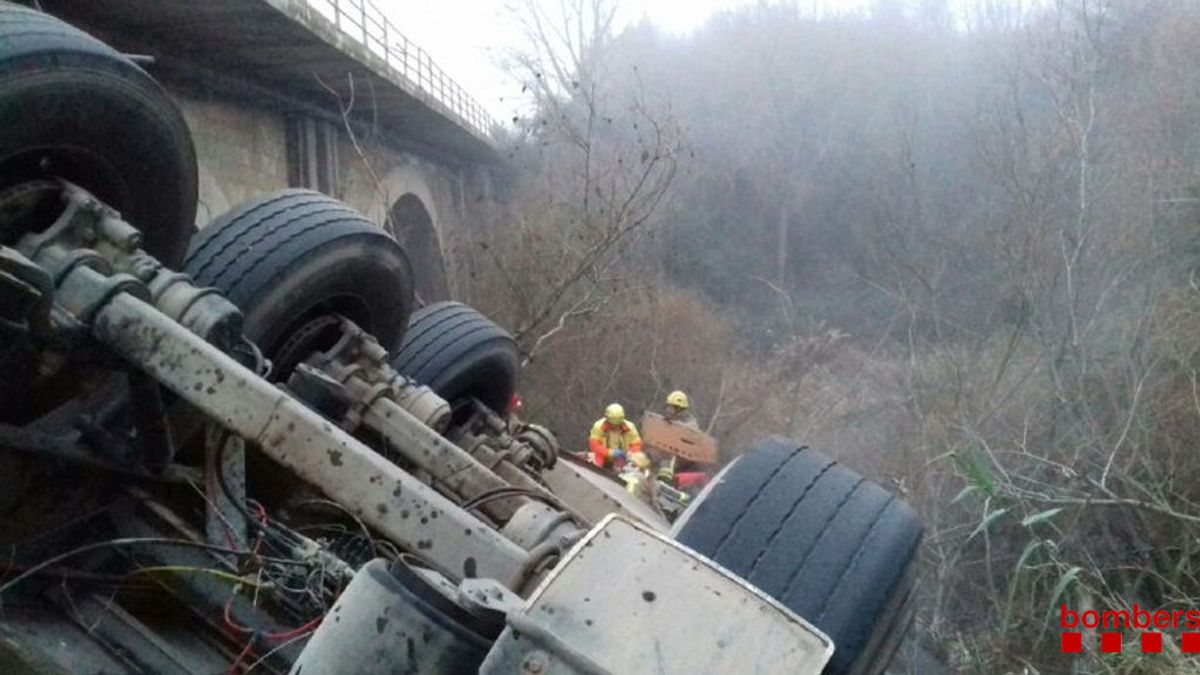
(605, 437)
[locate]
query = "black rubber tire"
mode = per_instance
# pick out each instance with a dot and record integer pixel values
(295, 257)
(72, 107)
(460, 353)
(833, 547)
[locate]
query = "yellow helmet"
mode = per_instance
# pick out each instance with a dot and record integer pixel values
(640, 460)
(615, 414)
(678, 399)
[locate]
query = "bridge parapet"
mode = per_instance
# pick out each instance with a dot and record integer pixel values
(361, 24)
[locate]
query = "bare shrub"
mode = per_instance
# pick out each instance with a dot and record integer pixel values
(958, 256)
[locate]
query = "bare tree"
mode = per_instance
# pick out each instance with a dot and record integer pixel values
(599, 159)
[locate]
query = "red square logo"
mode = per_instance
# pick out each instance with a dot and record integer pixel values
(1110, 643)
(1151, 643)
(1072, 643)
(1190, 644)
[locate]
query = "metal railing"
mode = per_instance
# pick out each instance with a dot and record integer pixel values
(363, 22)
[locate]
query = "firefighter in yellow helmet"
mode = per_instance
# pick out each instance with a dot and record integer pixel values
(678, 412)
(613, 438)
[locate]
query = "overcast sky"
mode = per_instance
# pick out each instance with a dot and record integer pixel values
(465, 37)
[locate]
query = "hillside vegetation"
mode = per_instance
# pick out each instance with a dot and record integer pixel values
(957, 250)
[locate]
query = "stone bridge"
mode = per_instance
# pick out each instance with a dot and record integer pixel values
(321, 94)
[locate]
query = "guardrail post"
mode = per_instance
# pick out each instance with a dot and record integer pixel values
(362, 8)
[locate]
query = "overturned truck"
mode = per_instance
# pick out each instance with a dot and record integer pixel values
(242, 451)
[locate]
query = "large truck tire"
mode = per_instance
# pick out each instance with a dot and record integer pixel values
(295, 260)
(460, 353)
(833, 547)
(73, 108)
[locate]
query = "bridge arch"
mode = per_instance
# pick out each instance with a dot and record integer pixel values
(403, 201)
(412, 225)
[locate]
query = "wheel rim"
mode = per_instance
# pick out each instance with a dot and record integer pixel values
(46, 166)
(311, 335)
(27, 207)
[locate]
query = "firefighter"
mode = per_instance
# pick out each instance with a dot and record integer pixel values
(613, 438)
(679, 410)
(676, 471)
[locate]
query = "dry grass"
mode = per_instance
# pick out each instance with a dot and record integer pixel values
(1002, 450)
(1024, 364)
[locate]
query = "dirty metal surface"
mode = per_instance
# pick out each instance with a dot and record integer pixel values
(37, 641)
(360, 364)
(494, 448)
(383, 495)
(447, 463)
(595, 495)
(381, 625)
(667, 611)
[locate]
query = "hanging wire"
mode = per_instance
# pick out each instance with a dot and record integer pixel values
(338, 507)
(139, 541)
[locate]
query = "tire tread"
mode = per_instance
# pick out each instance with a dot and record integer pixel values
(833, 547)
(458, 352)
(233, 231)
(278, 241)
